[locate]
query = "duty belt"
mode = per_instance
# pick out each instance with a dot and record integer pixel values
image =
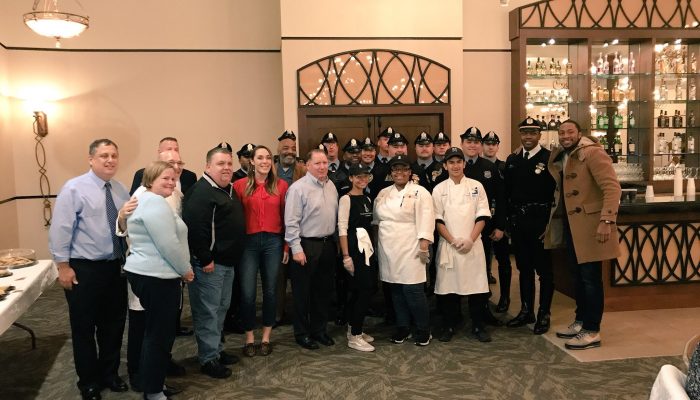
(522, 209)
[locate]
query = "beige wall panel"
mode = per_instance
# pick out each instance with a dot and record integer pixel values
(8, 211)
(487, 95)
(32, 233)
(298, 53)
(156, 24)
(136, 99)
(371, 18)
(486, 23)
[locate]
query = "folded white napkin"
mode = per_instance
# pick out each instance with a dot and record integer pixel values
(364, 244)
(446, 255)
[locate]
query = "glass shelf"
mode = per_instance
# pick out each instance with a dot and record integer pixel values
(554, 76)
(674, 127)
(683, 75)
(615, 76)
(676, 154)
(554, 103)
(616, 103)
(676, 101)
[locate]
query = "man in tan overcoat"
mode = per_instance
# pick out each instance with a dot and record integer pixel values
(584, 222)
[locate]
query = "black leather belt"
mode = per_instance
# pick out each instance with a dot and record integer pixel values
(318, 239)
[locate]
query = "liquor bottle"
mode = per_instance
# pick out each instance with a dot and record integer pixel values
(553, 97)
(667, 120)
(679, 90)
(569, 68)
(538, 67)
(600, 122)
(615, 93)
(618, 144)
(631, 146)
(552, 67)
(691, 120)
(680, 64)
(558, 68)
(552, 144)
(616, 63)
(604, 142)
(631, 120)
(674, 120)
(543, 124)
(660, 119)
(678, 119)
(631, 64)
(558, 123)
(552, 126)
(529, 68)
(631, 92)
(692, 90)
(600, 64)
(693, 64)
(617, 120)
(662, 143)
(691, 144)
(663, 90)
(676, 143)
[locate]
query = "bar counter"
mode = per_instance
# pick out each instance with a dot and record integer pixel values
(659, 264)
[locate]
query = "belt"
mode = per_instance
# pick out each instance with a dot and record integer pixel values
(522, 208)
(318, 239)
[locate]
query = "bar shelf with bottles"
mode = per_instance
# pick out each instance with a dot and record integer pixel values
(676, 109)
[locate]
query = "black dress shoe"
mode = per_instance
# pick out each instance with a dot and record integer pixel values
(503, 304)
(522, 319)
(91, 393)
(227, 359)
(184, 331)
(307, 343)
(116, 385)
(324, 339)
(215, 370)
(542, 324)
(481, 335)
(135, 383)
(174, 369)
(171, 390)
(492, 279)
(446, 335)
(490, 319)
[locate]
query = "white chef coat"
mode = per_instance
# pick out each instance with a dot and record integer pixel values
(459, 205)
(404, 217)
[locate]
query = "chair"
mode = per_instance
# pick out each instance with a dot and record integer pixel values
(669, 384)
(690, 348)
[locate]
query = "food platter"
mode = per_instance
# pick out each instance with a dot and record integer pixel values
(17, 258)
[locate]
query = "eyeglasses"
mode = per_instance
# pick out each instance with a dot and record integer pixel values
(176, 163)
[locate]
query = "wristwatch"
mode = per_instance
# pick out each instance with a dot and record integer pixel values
(607, 221)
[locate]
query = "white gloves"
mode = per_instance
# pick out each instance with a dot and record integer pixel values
(424, 256)
(463, 245)
(349, 266)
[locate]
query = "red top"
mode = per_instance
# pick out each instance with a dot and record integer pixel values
(263, 211)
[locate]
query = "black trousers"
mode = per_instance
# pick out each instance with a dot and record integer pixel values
(181, 305)
(312, 286)
(159, 298)
(97, 311)
(363, 285)
(531, 257)
(451, 308)
(137, 326)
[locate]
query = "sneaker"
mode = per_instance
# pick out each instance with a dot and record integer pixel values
(571, 330)
(357, 342)
(400, 335)
(367, 338)
(214, 369)
(227, 359)
(423, 339)
(583, 340)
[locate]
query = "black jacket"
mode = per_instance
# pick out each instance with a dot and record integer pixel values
(490, 177)
(215, 223)
(187, 179)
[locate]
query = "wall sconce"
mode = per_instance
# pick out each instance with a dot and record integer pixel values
(504, 3)
(41, 126)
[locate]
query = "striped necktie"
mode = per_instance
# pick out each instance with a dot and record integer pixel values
(117, 250)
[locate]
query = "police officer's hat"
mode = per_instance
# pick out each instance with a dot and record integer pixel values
(359, 169)
(387, 132)
(322, 147)
(329, 138)
(368, 145)
(399, 160)
(454, 152)
(246, 150)
(224, 145)
(423, 138)
(397, 139)
(529, 124)
(287, 135)
(471, 133)
(491, 138)
(441, 138)
(352, 146)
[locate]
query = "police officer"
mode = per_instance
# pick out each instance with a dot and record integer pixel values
(335, 172)
(441, 143)
(530, 191)
(490, 144)
(429, 170)
(383, 145)
(244, 160)
(351, 156)
(486, 172)
(397, 144)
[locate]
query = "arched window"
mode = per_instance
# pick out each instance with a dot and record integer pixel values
(373, 77)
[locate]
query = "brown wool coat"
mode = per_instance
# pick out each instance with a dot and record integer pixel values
(592, 194)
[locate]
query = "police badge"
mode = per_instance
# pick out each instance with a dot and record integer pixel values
(539, 168)
(487, 174)
(436, 173)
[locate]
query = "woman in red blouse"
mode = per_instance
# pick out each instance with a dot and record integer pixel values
(262, 194)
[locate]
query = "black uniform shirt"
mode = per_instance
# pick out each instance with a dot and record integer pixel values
(528, 181)
(431, 175)
(490, 177)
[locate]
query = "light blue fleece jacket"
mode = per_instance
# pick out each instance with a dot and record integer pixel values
(158, 239)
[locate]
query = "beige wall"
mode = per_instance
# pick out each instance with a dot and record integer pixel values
(8, 211)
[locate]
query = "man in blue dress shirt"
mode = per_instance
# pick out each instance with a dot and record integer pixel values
(89, 257)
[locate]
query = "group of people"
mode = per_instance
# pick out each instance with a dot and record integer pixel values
(330, 225)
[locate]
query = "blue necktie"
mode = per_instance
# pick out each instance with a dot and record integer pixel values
(111, 222)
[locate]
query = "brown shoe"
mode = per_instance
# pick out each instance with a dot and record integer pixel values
(265, 348)
(249, 349)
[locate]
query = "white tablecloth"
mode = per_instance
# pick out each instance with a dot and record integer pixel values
(32, 281)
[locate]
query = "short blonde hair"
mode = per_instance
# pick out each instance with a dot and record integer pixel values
(153, 171)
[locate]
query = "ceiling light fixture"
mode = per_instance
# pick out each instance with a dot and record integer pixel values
(51, 22)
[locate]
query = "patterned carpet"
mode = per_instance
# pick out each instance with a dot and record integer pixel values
(516, 365)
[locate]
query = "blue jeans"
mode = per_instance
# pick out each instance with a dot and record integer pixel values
(210, 296)
(588, 281)
(263, 252)
(410, 300)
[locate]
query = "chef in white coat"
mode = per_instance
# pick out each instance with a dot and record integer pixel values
(461, 211)
(404, 214)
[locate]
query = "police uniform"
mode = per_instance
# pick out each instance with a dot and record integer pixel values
(387, 133)
(245, 151)
(335, 171)
(501, 248)
(382, 178)
(530, 191)
(429, 173)
(343, 187)
(486, 172)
